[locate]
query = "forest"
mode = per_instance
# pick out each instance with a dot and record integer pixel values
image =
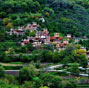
(65, 16)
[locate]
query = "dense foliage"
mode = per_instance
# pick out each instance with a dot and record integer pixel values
(29, 79)
(65, 16)
(27, 53)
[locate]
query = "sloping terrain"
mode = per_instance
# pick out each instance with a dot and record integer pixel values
(65, 16)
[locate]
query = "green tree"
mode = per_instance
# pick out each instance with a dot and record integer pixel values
(30, 47)
(27, 73)
(44, 87)
(2, 14)
(38, 82)
(23, 49)
(32, 34)
(47, 55)
(48, 47)
(28, 84)
(74, 68)
(56, 57)
(48, 11)
(84, 60)
(2, 36)
(71, 41)
(9, 25)
(6, 21)
(78, 46)
(69, 84)
(69, 49)
(11, 79)
(2, 72)
(51, 81)
(66, 60)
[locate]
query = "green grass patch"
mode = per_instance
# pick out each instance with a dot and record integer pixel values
(83, 86)
(12, 67)
(18, 63)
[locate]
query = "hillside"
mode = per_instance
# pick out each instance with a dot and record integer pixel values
(65, 16)
(44, 43)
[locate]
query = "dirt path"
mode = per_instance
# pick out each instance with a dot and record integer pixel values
(6, 64)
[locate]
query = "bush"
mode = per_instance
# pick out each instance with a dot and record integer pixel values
(2, 72)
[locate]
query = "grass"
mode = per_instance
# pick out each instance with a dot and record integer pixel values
(15, 63)
(12, 64)
(12, 67)
(83, 86)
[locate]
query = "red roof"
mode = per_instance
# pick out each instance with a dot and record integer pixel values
(59, 38)
(52, 38)
(19, 31)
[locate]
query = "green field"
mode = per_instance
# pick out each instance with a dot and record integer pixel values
(83, 86)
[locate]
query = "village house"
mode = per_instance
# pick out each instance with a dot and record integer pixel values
(55, 39)
(32, 27)
(61, 46)
(58, 42)
(65, 41)
(76, 39)
(24, 42)
(35, 42)
(17, 32)
(21, 30)
(68, 36)
(42, 37)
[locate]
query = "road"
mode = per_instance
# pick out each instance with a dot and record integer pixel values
(8, 64)
(16, 72)
(27, 54)
(12, 72)
(48, 69)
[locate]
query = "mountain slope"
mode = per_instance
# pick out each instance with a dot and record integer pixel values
(65, 16)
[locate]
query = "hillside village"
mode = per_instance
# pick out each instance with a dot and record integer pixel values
(44, 43)
(42, 37)
(62, 47)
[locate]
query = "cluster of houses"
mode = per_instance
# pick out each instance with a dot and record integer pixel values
(41, 37)
(21, 30)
